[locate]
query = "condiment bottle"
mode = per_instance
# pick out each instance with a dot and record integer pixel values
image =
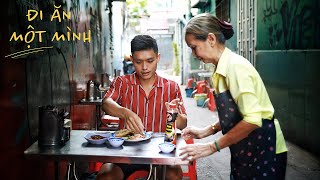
(170, 134)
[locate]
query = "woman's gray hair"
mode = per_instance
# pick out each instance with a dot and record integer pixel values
(203, 24)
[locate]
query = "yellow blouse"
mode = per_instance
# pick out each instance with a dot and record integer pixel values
(236, 74)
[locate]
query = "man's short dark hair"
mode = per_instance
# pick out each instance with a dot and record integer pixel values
(143, 42)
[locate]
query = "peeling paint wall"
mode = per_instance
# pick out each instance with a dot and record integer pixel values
(57, 76)
(288, 24)
(287, 58)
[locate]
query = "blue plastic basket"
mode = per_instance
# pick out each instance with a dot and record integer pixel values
(189, 91)
(200, 98)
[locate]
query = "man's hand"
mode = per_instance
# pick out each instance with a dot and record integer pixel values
(133, 122)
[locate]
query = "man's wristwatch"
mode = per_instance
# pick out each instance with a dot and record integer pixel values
(215, 128)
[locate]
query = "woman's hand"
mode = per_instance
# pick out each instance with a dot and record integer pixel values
(177, 102)
(192, 152)
(181, 120)
(192, 132)
(133, 121)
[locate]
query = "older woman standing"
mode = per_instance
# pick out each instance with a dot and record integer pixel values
(246, 115)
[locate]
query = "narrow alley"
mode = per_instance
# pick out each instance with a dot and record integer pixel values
(302, 165)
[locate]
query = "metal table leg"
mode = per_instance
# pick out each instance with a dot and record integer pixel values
(164, 171)
(154, 173)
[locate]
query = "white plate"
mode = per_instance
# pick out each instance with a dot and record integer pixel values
(147, 134)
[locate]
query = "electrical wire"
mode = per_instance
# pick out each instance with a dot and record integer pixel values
(74, 171)
(50, 70)
(68, 173)
(66, 64)
(150, 172)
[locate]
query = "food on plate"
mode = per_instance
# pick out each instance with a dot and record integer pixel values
(129, 135)
(136, 136)
(97, 137)
(124, 133)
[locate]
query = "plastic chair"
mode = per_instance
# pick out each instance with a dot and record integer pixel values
(192, 170)
(191, 173)
(211, 102)
(95, 166)
(191, 83)
(141, 174)
(200, 86)
(109, 123)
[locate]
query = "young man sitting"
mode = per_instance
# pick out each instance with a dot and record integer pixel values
(139, 100)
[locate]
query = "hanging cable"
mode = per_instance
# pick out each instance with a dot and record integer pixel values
(74, 170)
(150, 172)
(66, 64)
(68, 173)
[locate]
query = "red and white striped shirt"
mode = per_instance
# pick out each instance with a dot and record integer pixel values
(127, 91)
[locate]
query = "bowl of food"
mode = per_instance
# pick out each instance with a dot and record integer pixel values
(97, 137)
(116, 141)
(166, 147)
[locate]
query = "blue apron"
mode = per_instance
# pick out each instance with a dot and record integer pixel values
(255, 156)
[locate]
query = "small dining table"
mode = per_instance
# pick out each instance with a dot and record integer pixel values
(78, 149)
